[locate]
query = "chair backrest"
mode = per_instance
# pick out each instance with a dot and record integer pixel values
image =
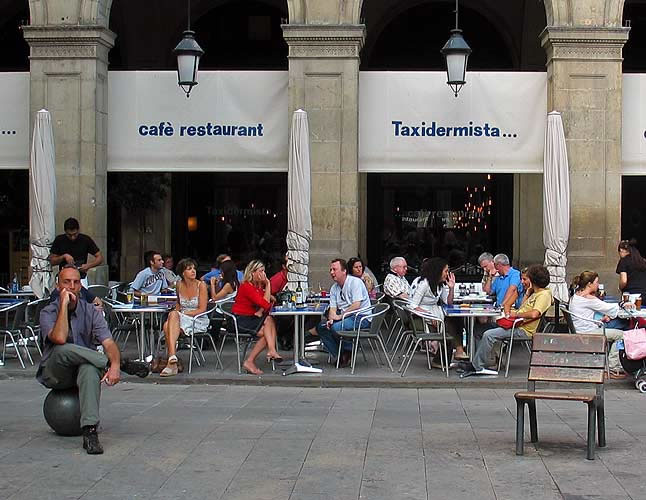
(427, 318)
(568, 318)
(100, 291)
(376, 317)
(32, 313)
(571, 358)
(18, 316)
(399, 306)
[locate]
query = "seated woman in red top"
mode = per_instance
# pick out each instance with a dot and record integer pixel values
(251, 308)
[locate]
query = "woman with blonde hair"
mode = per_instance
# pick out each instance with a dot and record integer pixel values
(251, 308)
(584, 304)
(192, 299)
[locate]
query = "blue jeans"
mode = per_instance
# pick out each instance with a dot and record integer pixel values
(331, 339)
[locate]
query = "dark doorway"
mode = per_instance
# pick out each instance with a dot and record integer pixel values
(241, 214)
(14, 226)
(633, 218)
(455, 216)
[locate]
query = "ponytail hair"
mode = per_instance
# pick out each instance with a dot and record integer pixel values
(584, 279)
(634, 257)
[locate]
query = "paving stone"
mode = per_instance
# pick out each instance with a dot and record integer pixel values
(231, 442)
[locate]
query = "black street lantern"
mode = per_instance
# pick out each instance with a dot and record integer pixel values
(188, 54)
(456, 52)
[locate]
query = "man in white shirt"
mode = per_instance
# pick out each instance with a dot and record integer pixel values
(395, 285)
(347, 294)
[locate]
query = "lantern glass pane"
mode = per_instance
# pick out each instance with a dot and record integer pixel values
(185, 67)
(455, 67)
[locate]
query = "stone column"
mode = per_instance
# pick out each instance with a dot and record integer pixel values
(69, 77)
(584, 84)
(324, 81)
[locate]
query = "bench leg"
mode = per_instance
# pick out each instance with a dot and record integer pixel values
(520, 426)
(601, 424)
(592, 418)
(533, 425)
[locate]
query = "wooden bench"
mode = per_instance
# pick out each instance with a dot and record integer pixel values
(571, 359)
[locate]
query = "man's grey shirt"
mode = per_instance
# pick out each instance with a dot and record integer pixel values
(88, 326)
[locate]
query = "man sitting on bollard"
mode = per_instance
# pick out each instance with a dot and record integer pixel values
(71, 330)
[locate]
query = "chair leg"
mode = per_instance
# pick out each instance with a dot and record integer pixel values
(383, 346)
(218, 361)
(190, 358)
(16, 347)
(509, 349)
(427, 346)
(591, 429)
(601, 424)
(533, 424)
(338, 355)
(355, 349)
(520, 426)
(410, 357)
(446, 357)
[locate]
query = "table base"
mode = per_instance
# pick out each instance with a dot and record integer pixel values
(301, 366)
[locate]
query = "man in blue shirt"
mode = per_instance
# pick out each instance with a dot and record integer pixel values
(507, 287)
(215, 269)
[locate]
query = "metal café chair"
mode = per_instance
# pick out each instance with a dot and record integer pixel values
(32, 322)
(14, 333)
(207, 334)
(367, 327)
(430, 321)
(100, 291)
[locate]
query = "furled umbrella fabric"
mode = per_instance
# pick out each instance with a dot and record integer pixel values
(556, 205)
(42, 203)
(299, 218)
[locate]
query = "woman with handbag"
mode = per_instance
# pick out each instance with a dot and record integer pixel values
(251, 308)
(435, 288)
(192, 299)
(584, 305)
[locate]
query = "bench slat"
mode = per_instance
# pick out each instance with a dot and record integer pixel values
(568, 359)
(561, 374)
(557, 342)
(563, 396)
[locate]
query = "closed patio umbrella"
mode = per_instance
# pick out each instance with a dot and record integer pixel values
(299, 218)
(42, 203)
(556, 205)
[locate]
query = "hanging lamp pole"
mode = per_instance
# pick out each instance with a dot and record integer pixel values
(456, 53)
(188, 53)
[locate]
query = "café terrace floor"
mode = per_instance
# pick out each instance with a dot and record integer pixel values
(367, 374)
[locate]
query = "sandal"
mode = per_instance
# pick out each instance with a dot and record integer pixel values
(618, 375)
(171, 368)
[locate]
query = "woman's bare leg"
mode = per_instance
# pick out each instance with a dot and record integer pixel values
(250, 363)
(171, 332)
(269, 333)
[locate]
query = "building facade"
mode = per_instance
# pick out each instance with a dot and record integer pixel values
(328, 43)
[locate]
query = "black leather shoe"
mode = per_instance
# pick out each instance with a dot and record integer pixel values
(91, 440)
(138, 368)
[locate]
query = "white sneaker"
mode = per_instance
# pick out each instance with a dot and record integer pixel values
(486, 371)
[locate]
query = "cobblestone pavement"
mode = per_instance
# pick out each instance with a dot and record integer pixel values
(254, 442)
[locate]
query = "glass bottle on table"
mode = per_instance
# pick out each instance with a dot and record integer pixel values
(299, 294)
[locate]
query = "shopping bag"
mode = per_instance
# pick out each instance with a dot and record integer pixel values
(635, 343)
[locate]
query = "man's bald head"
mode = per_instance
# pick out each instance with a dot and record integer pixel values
(69, 278)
